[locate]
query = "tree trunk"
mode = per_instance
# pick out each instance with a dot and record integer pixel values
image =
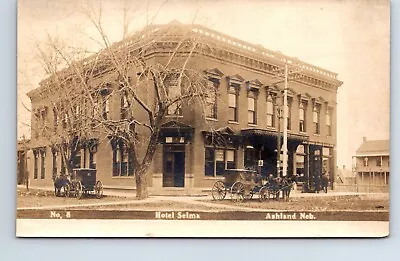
(141, 183)
(143, 169)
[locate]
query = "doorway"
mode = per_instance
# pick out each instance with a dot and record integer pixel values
(174, 166)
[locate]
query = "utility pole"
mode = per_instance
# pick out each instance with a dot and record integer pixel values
(278, 146)
(285, 122)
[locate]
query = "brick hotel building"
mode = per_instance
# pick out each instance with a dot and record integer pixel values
(242, 124)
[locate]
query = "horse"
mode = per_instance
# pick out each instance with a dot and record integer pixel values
(324, 183)
(287, 186)
(61, 182)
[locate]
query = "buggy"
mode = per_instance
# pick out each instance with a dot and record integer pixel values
(80, 182)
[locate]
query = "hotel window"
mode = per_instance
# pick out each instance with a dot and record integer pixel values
(366, 162)
(289, 118)
(124, 106)
(211, 100)
(217, 160)
(174, 92)
(122, 163)
(270, 111)
(233, 104)
(106, 107)
(42, 164)
(35, 164)
(252, 107)
(65, 120)
(55, 119)
(329, 120)
(76, 159)
(54, 163)
(302, 116)
(92, 160)
(316, 118)
(77, 113)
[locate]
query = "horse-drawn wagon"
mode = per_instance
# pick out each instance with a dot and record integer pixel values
(243, 184)
(80, 182)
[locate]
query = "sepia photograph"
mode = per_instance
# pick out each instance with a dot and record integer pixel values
(216, 119)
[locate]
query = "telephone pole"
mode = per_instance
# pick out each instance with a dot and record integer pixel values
(285, 123)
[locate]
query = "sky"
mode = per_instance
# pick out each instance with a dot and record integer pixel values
(349, 37)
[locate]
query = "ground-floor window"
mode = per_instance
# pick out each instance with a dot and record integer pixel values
(42, 167)
(35, 164)
(219, 159)
(76, 160)
(250, 159)
(122, 161)
(92, 160)
(54, 164)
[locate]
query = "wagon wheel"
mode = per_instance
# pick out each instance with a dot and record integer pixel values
(56, 191)
(78, 190)
(237, 191)
(263, 194)
(218, 191)
(67, 190)
(98, 189)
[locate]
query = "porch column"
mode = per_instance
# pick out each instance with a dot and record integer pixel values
(240, 158)
(307, 163)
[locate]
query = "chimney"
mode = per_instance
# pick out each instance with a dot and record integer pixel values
(364, 139)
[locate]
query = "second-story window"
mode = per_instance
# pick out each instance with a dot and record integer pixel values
(252, 107)
(270, 111)
(233, 104)
(124, 106)
(211, 100)
(106, 107)
(55, 114)
(302, 116)
(329, 121)
(65, 120)
(289, 115)
(316, 118)
(174, 92)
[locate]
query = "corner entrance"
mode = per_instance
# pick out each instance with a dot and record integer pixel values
(174, 166)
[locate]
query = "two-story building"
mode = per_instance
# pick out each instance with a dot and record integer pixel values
(372, 165)
(240, 124)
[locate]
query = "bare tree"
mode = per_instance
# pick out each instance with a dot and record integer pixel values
(149, 89)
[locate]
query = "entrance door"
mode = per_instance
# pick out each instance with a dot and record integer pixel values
(174, 166)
